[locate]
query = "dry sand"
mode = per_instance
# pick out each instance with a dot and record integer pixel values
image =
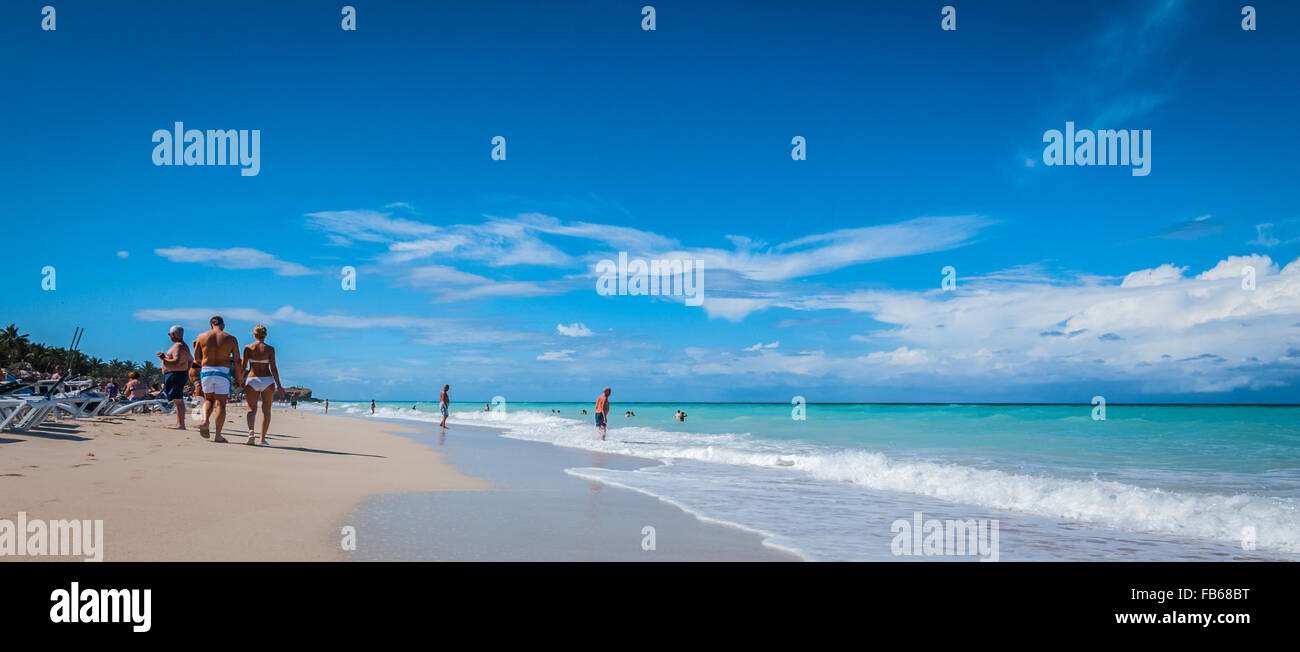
(169, 495)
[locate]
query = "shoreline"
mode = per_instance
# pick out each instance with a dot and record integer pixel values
(541, 511)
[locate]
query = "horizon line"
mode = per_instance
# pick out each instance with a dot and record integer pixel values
(1011, 403)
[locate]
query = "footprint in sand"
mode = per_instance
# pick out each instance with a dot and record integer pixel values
(12, 475)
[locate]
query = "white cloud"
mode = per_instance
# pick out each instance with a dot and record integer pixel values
(1161, 275)
(619, 237)
(1264, 236)
(506, 242)
(123, 254)
(369, 225)
(901, 356)
(761, 346)
(1182, 335)
(826, 252)
(498, 289)
(733, 309)
(451, 284)
(576, 329)
(233, 258)
(434, 331)
(1231, 267)
(557, 355)
(400, 252)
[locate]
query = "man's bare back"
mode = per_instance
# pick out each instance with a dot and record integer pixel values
(216, 348)
(216, 352)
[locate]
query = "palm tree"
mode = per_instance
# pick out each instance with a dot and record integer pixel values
(13, 345)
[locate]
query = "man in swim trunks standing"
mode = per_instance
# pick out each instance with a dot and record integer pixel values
(602, 411)
(444, 402)
(216, 350)
(176, 367)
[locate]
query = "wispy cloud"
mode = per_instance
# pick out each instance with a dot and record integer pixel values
(368, 225)
(1123, 63)
(557, 355)
(234, 258)
(451, 284)
(523, 241)
(435, 331)
(1193, 229)
(826, 252)
(576, 329)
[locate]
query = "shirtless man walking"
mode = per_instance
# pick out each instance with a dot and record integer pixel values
(444, 403)
(602, 412)
(176, 367)
(216, 350)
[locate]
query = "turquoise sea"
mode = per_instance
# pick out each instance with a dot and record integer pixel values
(1148, 482)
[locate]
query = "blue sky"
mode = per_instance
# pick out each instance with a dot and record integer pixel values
(924, 150)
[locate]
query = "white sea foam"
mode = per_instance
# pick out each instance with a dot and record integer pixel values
(1110, 504)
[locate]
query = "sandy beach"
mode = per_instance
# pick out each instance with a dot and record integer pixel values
(411, 493)
(168, 495)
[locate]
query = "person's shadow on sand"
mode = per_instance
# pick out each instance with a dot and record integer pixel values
(56, 431)
(303, 449)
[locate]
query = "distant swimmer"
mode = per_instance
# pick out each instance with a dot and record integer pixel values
(680, 416)
(584, 411)
(444, 402)
(629, 414)
(602, 411)
(487, 407)
(372, 406)
(327, 406)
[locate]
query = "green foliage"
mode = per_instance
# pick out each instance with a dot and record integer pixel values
(18, 347)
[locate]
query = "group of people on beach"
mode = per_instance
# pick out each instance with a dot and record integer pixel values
(208, 369)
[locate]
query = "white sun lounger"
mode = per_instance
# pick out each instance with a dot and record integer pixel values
(149, 405)
(32, 414)
(10, 410)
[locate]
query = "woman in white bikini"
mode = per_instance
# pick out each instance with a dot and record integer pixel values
(261, 381)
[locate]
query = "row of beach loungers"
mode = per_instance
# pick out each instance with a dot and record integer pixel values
(25, 405)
